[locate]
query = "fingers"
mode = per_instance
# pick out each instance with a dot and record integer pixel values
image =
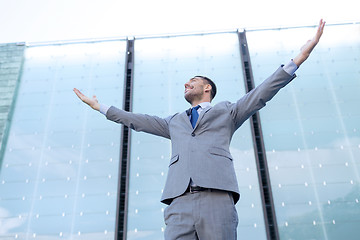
(321, 25)
(78, 93)
(82, 97)
(320, 28)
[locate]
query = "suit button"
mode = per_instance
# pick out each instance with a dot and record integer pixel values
(193, 134)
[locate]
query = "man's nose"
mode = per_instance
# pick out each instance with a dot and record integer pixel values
(186, 85)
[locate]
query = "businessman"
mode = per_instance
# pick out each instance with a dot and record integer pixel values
(201, 188)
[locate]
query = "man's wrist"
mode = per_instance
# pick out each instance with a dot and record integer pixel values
(290, 67)
(300, 58)
(96, 107)
(103, 109)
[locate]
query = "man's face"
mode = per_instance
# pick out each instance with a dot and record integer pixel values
(194, 89)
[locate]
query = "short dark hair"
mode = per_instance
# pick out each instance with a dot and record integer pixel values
(212, 84)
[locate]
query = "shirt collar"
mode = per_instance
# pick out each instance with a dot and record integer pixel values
(204, 104)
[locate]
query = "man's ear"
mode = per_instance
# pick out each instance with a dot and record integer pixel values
(207, 88)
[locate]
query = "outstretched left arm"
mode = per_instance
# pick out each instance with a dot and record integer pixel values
(310, 45)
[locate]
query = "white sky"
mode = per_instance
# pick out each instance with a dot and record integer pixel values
(53, 20)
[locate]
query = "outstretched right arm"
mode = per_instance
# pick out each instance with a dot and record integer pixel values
(138, 122)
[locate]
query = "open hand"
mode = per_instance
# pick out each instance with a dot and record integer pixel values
(310, 45)
(92, 102)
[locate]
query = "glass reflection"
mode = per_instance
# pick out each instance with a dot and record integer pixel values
(60, 170)
(162, 66)
(311, 132)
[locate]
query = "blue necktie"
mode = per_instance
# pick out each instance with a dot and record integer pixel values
(194, 115)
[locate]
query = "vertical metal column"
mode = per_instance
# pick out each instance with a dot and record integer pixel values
(123, 184)
(260, 152)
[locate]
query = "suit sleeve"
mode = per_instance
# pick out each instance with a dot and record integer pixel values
(140, 122)
(257, 97)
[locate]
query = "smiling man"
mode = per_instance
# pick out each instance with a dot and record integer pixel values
(195, 88)
(201, 187)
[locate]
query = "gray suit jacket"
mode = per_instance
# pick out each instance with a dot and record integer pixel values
(202, 154)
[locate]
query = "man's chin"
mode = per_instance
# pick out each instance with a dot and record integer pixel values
(188, 98)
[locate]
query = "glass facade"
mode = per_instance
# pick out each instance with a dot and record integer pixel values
(312, 132)
(60, 169)
(59, 172)
(162, 66)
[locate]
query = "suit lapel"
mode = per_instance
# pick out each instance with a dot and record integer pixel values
(186, 118)
(202, 114)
